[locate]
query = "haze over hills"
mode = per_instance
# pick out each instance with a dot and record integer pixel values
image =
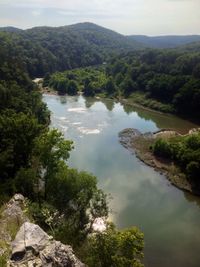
(167, 41)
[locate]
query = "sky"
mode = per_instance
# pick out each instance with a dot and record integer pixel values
(149, 17)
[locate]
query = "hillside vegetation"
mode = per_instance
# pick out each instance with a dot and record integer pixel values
(165, 80)
(185, 152)
(50, 49)
(33, 162)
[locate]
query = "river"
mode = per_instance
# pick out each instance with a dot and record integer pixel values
(169, 217)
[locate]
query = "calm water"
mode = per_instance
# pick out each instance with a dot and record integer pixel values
(169, 218)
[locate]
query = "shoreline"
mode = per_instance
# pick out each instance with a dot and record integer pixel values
(139, 144)
(123, 102)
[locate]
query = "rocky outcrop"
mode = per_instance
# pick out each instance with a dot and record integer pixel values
(11, 218)
(194, 131)
(14, 208)
(126, 136)
(33, 247)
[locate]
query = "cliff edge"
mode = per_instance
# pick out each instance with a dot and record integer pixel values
(23, 243)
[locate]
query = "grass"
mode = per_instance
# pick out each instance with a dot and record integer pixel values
(13, 227)
(9, 226)
(3, 260)
(142, 99)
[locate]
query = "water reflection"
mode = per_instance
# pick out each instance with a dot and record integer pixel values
(89, 102)
(161, 120)
(169, 217)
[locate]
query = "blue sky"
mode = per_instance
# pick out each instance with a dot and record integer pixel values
(151, 17)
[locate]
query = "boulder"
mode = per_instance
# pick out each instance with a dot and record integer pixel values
(14, 208)
(33, 247)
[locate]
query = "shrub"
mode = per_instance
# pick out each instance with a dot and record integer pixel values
(162, 148)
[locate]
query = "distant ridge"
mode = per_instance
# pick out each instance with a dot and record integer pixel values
(10, 29)
(167, 41)
(130, 41)
(48, 49)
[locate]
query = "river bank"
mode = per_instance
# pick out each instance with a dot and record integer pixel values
(136, 100)
(141, 144)
(138, 195)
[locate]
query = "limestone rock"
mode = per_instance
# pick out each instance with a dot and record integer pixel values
(30, 236)
(14, 208)
(12, 217)
(33, 247)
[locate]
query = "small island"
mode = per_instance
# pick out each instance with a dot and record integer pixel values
(172, 154)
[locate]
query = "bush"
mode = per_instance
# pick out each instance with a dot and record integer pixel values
(162, 148)
(115, 248)
(193, 172)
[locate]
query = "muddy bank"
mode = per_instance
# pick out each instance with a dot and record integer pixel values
(140, 144)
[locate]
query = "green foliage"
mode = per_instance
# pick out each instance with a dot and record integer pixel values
(116, 248)
(17, 133)
(33, 159)
(110, 87)
(185, 151)
(89, 80)
(168, 76)
(45, 49)
(3, 260)
(50, 150)
(25, 182)
(72, 88)
(165, 80)
(162, 148)
(193, 141)
(193, 171)
(79, 200)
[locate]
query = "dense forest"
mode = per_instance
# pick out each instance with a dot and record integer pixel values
(33, 161)
(171, 77)
(166, 80)
(48, 49)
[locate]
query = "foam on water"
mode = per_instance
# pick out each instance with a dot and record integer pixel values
(77, 110)
(84, 130)
(76, 123)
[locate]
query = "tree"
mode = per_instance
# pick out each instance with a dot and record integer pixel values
(116, 248)
(72, 88)
(62, 86)
(25, 182)
(79, 201)
(128, 86)
(89, 89)
(17, 134)
(193, 172)
(50, 149)
(110, 87)
(162, 148)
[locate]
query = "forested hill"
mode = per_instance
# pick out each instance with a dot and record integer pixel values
(49, 49)
(167, 80)
(168, 41)
(31, 154)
